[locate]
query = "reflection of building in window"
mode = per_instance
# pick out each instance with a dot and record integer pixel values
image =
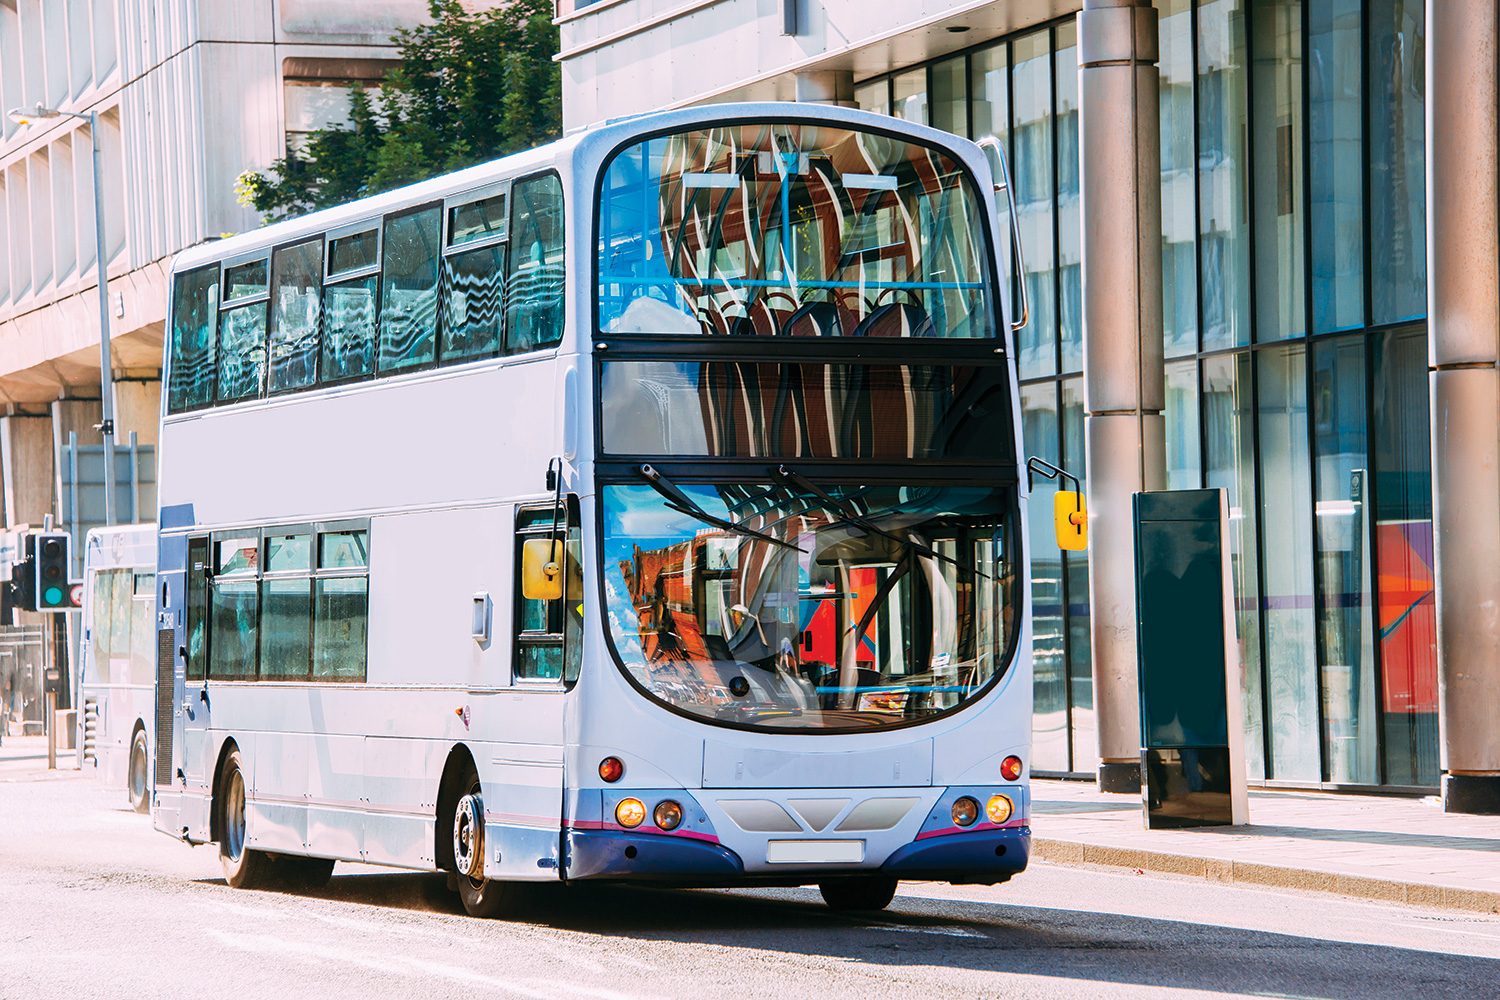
(318, 93)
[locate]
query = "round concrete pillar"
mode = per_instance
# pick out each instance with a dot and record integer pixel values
(1463, 301)
(1124, 395)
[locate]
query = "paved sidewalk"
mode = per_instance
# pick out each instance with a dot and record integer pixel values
(24, 758)
(1395, 849)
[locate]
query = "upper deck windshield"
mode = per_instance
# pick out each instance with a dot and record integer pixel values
(794, 605)
(791, 230)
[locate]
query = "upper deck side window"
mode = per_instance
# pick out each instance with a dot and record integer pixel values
(768, 229)
(534, 298)
(430, 285)
(195, 310)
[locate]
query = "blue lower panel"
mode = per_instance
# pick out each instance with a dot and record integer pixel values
(990, 856)
(606, 854)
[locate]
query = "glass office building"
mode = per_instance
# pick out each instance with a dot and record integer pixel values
(1294, 313)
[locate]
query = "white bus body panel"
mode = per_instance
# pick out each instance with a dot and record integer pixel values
(438, 461)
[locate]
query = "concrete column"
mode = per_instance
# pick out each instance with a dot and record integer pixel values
(1124, 394)
(828, 86)
(1463, 301)
(26, 457)
(137, 408)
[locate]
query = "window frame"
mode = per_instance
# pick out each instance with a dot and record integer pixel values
(511, 230)
(318, 573)
(313, 573)
(374, 224)
(381, 286)
(524, 531)
(211, 399)
(449, 250)
(266, 391)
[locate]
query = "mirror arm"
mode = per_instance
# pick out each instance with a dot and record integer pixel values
(1037, 467)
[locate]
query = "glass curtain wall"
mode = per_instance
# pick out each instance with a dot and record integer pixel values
(1294, 304)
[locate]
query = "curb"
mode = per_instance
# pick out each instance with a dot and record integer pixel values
(1063, 852)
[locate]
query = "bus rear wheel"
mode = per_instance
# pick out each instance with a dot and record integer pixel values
(482, 897)
(244, 868)
(862, 892)
(135, 781)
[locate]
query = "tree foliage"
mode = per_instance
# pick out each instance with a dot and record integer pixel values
(469, 87)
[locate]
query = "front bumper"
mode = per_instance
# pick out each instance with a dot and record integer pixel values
(982, 857)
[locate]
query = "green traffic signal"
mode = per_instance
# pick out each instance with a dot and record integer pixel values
(53, 596)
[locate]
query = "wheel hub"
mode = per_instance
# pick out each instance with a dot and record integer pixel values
(468, 836)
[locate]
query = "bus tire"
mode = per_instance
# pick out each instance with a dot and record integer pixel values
(862, 892)
(136, 778)
(244, 868)
(482, 897)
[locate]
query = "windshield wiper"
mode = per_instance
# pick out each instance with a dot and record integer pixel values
(787, 477)
(684, 504)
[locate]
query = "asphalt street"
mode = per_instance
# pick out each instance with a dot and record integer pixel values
(94, 903)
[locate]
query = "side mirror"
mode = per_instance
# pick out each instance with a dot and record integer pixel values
(1070, 520)
(542, 569)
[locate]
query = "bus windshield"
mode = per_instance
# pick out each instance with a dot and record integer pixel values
(791, 230)
(790, 604)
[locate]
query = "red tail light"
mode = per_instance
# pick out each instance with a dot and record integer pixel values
(1010, 769)
(611, 769)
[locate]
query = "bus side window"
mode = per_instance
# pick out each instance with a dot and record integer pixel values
(534, 291)
(197, 609)
(242, 332)
(142, 627)
(341, 606)
(409, 290)
(539, 624)
(100, 640)
(296, 294)
(195, 308)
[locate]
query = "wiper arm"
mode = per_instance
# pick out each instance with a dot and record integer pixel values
(785, 475)
(684, 504)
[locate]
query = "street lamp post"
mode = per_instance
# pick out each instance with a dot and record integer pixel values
(22, 116)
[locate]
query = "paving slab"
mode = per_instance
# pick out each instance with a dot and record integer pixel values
(1403, 850)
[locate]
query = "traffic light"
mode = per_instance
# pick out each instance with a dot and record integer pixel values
(52, 572)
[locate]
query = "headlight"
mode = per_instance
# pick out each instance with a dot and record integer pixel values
(965, 811)
(667, 815)
(630, 813)
(998, 809)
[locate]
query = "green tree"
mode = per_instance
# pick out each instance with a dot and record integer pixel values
(469, 87)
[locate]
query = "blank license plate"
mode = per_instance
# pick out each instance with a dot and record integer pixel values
(815, 852)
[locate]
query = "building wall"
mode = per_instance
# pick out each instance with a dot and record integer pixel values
(190, 94)
(622, 57)
(1294, 326)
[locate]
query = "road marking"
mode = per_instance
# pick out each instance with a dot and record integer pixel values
(535, 989)
(963, 932)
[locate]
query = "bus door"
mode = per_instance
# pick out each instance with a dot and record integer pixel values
(194, 704)
(545, 664)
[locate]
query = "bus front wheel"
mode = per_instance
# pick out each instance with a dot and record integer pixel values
(482, 897)
(244, 868)
(140, 795)
(862, 892)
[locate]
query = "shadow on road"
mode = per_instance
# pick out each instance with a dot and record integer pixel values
(989, 938)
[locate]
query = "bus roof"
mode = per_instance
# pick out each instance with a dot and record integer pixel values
(604, 134)
(124, 545)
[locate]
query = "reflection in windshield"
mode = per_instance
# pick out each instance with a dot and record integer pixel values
(879, 605)
(791, 230)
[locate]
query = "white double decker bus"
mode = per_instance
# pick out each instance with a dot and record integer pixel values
(643, 507)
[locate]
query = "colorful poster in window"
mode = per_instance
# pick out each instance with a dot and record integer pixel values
(1408, 617)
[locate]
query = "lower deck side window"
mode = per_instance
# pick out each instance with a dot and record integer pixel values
(282, 604)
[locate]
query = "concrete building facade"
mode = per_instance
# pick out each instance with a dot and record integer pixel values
(1261, 250)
